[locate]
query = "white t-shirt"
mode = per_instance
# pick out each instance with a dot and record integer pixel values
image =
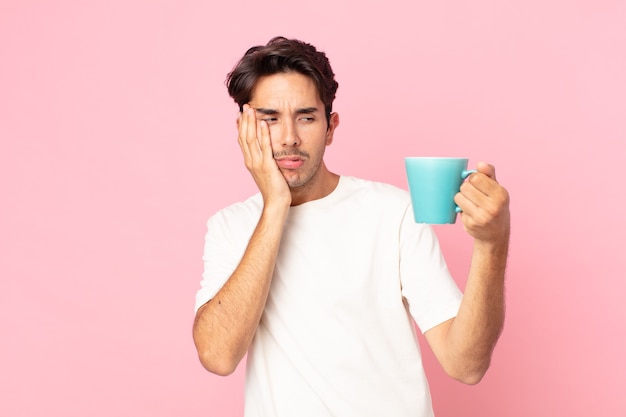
(336, 337)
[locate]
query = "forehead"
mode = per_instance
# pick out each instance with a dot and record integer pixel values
(282, 89)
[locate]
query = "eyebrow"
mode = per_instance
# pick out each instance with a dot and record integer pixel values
(303, 110)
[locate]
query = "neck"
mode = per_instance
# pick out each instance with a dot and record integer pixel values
(318, 187)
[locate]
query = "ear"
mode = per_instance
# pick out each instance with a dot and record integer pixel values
(332, 125)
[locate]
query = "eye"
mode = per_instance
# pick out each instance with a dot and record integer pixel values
(307, 119)
(269, 120)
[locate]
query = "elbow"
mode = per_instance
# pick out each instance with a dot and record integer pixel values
(216, 364)
(215, 356)
(469, 374)
(470, 378)
(217, 359)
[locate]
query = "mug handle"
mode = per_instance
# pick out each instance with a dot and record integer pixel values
(466, 173)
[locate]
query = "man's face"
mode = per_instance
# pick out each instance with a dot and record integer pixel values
(299, 131)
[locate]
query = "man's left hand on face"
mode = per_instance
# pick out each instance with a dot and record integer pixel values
(485, 205)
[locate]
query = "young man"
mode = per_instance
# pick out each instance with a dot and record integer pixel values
(319, 276)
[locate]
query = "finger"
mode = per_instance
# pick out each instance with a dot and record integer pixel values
(242, 127)
(487, 169)
(465, 203)
(482, 190)
(242, 121)
(481, 203)
(470, 192)
(474, 215)
(486, 185)
(265, 144)
(247, 136)
(251, 132)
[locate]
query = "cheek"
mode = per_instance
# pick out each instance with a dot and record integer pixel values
(275, 130)
(275, 135)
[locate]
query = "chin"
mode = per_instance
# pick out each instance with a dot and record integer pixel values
(296, 181)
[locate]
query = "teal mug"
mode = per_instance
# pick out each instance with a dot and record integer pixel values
(433, 183)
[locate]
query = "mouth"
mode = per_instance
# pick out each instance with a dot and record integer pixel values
(290, 162)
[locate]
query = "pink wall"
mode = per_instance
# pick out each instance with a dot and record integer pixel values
(118, 141)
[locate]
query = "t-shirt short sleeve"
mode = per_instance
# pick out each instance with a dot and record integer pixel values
(224, 244)
(432, 294)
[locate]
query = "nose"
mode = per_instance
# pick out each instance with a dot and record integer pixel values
(289, 135)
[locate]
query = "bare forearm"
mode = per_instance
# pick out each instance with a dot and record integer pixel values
(473, 334)
(225, 326)
(464, 345)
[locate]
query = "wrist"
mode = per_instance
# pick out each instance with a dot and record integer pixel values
(276, 208)
(496, 246)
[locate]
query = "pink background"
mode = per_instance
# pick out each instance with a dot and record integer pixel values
(118, 142)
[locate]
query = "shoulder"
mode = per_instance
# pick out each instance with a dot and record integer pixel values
(383, 192)
(240, 214)
(374, 200)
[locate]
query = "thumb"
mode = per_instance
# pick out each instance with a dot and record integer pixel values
(487, 169)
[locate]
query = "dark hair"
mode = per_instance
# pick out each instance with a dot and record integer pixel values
(282, 55)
